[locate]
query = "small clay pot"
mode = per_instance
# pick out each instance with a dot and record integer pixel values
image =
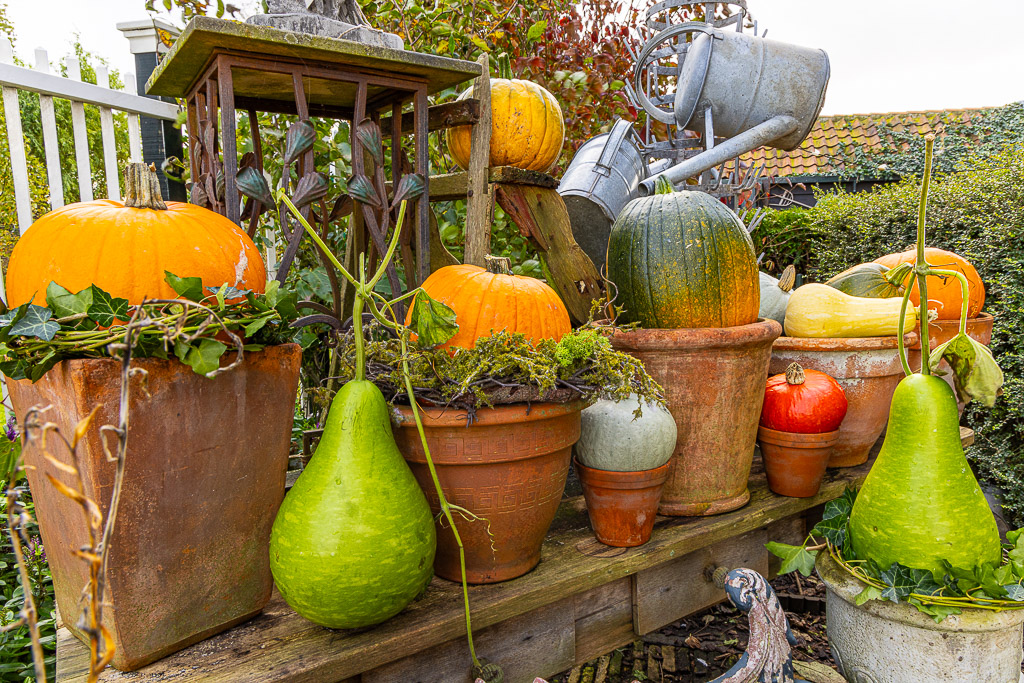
(622, 505)
(795, 463)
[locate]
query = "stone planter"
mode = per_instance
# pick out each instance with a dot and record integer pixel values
(867, 368)
(204, 477)
(886, 642)
(714, 387)
(941, 331)
(622, 506)
(508, 467)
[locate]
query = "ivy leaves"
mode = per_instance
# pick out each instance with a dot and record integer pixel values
(794, 557)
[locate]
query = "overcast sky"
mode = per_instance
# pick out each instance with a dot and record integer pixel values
(886, 55)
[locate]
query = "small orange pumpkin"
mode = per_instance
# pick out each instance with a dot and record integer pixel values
(124, 248)
(490, 300)
(944, 294)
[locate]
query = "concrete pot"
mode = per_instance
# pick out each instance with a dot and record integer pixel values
(941, 331)
(622, 506)
(508, 467)
(714, 387)
(887, 642)
(204, 478)
(795, 463)
(867, 368)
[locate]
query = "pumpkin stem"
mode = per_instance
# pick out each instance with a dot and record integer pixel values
(663, 186)
(499, 265)
(142, 188)
(795, 374)
(897, 275)
(788, 278)
(504, 66)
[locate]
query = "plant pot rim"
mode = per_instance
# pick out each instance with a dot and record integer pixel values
(846, 587)
(697, 338)
(843, 344)
(629, 479)
(797, 439)
(437, 416)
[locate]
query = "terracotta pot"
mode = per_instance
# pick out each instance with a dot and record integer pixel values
(508, 467)
(204, 478)
(941, 331)
(714, 386)
(622, 505)
(867, 368)
(795, 463)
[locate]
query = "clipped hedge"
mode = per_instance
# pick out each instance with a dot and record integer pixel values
(977, 212)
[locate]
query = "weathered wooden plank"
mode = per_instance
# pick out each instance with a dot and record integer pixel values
(480, 197)
(81, 137)
(134, 129)
(540, 643)
(449, 186)
(604, 619)
(671, 590)
(439, 117)
(16, 144)
(50, 147)
(113, 171)
(540, 215)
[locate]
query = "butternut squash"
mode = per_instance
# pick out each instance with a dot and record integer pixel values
(820, 311)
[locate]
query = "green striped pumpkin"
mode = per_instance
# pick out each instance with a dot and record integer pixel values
(683, 260)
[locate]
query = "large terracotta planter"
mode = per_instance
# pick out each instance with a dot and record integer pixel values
(867, 368)
(941, 331)
(204, 477)
(714, 386)
(508, 467)
(622, 506)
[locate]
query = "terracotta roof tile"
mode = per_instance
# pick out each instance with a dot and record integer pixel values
(818, 153)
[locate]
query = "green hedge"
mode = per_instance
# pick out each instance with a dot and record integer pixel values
(977, 212)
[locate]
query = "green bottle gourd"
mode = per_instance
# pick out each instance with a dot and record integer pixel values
(354, 540)
(920, 503)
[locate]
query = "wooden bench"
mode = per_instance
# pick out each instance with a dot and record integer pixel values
(583, 600)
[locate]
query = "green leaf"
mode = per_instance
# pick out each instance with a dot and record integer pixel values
(36, 323)
(936, 612)
(432, 321)
(794, 557)
(229, 292)
(205, 358)
(10, 454)
(63, 303)
(181, 350)
(535, 32)
(836, 519)
(190, 288)
(256, 325)
(902, 581)
(975, 372)
(1015, 592)
(271, 293)
(105, 309)
(869, 593)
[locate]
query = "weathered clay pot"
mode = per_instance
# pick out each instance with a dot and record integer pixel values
(886, 642)
(795, 463)
(941, 331)
(714, 386)
(867, 368)
(205, 475)
(622, 505)
(508, 468)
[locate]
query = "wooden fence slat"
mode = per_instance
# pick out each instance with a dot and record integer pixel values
(15, 140)
(109, 142)
(81, 137)
(50, 146)
(134, 129)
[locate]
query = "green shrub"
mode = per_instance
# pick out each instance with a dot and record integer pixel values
(977, 212)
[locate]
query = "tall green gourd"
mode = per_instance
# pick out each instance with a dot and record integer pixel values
(921, 504)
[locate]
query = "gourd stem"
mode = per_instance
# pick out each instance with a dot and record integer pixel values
(900, 331)
(921, 267)
(965, 289)
(142, 188)
(360, 342)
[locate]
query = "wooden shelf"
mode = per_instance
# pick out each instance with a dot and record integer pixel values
(583, 600)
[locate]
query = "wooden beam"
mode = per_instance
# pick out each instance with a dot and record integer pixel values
(449, 186)
(479, 196)
(439, 117)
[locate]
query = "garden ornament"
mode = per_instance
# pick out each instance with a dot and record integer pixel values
(328, 18)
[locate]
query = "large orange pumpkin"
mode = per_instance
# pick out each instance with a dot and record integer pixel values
(527, 130)
(124, 248)
(944, 294)
(490, 300)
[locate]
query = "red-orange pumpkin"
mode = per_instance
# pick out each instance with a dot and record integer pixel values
(944, 294)
(124, 248)
(490, 300)
(803, 401)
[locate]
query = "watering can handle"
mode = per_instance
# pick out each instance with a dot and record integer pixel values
(620, 129)
(641, 61)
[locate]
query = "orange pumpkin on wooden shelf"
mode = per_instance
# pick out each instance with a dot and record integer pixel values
(492, 299)
(944, 294)
(124, 248)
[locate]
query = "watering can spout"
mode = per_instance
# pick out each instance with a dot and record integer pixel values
(758, 136)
